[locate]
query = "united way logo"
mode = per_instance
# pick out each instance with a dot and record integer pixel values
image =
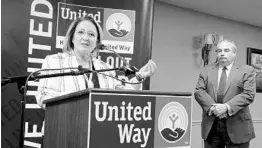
(118, 25)
(173, 122)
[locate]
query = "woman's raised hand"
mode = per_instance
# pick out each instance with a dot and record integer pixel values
(147, 70)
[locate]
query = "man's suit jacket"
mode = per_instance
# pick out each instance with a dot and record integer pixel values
(239, 93)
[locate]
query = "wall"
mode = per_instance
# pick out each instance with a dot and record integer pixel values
(179, 60)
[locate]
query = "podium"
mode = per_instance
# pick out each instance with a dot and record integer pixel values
(96, 118)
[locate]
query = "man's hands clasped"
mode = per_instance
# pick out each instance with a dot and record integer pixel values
(219, 110)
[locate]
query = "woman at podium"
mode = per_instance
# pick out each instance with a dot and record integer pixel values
(80, 49)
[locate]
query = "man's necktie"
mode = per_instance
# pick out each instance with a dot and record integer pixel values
(222, 85)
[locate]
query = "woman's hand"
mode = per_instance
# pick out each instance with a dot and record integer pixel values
(147, 70)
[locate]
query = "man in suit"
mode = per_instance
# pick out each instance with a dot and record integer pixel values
(224, 91)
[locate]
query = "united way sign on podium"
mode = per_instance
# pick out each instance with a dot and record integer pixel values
(127, 119)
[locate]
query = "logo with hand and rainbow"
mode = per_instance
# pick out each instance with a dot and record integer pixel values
(172, 122)
(118, 25)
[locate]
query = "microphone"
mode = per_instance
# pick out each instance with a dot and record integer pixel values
(22, 79)
(101, 47)
(18, 79)
(127, 68)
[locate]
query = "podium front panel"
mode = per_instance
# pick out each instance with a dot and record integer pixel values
(135, 120)
(118, 119)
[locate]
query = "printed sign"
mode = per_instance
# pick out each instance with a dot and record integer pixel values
(174, 122)
(117, 25)
(134, 121)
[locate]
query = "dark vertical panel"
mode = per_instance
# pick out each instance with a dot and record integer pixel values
(14, 24)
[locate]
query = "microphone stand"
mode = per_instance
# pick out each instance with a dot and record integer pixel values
(21, 82)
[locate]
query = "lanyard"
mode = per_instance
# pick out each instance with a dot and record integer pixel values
(88, 81)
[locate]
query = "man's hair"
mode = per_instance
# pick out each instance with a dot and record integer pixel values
(68, 44)
(229, 43)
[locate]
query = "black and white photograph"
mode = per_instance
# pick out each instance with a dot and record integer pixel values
(131, 73)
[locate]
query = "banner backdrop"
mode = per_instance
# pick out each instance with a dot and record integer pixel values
(33, 29)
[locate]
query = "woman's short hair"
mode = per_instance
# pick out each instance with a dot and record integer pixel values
(68, 44)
